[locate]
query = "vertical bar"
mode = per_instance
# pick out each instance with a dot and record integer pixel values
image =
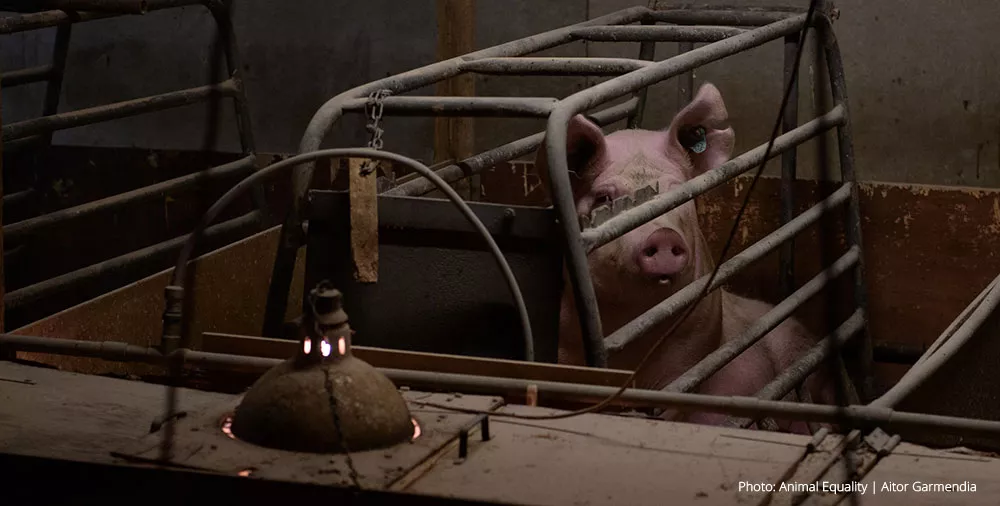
(222, 14)
(3, 354)
(685, 83)
(454, 138)
(647, 51)
(54, 88)
(862, 361)
(786, 262)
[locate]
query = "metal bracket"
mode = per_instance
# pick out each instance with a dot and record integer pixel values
(483, 421)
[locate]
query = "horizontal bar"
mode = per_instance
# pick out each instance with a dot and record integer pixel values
(715, 361)
(793, 375)
(18, 198)
(68, 281)
(888, 419)
(553, 66)
(896, 353)
(97, 114)
(939, 357)
(500, 154)
(47, 19)
(405, 359)
(627, 221)
(671, 67)
(656, 33)
(461, 106)
(715, 15)
(29, 75)
(116, 6)
(679, 300)
(17, 231)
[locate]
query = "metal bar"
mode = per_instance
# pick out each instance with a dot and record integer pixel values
(222, 14)
(716, 15)
(886, 418)
(51, 123)
(29, 75)
(47, 19)
(500, 154)
(528, 66)
(18, 231)
(627, 221)
(679, 300)
(786, 259)
(115, 6)
(958, 321)
(863, 359)
(292, 234)
(896, 353)
(53, 89)
(656, 33)
(933, 361)
(18, 198)
(461, 106)
(647, 52)
(793, 375)
(163, 250)
(685, 83)
(715, 361)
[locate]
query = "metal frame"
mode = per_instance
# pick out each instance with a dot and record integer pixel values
(749, 28)
(40, 130)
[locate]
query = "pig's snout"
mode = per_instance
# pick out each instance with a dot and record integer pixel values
(662, 255)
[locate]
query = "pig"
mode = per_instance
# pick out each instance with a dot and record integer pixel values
(653, 261)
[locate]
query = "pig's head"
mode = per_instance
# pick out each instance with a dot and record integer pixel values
(654, 260)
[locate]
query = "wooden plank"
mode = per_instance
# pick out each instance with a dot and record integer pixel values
(3, 290)
(364, 219)
(454, 137)
(419, 361)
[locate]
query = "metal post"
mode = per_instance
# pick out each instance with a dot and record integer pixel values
(863, 362)
(786, 260)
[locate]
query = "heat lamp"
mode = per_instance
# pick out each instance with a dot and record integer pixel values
(324, 399)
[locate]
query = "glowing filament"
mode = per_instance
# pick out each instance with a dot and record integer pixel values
(245, 472)
(324, 348)
(416, 429)
(342, 346)
(307, 345)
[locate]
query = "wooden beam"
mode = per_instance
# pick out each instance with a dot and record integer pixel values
(3, 285)
(454, 138)
(419, 361)
(364, 219)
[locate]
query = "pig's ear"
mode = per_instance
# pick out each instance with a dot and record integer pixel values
(701, 131)
(585, 146)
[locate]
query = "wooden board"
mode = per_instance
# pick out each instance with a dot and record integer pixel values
(454, 138)
(364, 219)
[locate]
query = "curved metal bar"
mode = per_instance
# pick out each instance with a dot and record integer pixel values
(176, 292)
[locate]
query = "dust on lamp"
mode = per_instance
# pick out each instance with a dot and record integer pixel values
(324, 399)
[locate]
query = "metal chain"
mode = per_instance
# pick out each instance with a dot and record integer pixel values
(332, 401)
(373, 111)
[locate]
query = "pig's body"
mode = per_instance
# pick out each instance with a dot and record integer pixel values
(650, 263)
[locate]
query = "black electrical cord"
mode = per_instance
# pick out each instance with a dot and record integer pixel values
(722, 256)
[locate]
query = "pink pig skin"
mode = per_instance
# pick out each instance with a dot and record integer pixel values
(650, 263)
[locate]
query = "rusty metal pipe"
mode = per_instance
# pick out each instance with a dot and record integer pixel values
(528, 66)
(687, 295)
(729, 350)
(532, 107)
(91, 115)
(516, 149)
(115, 6)
(47, 19)
(886, 418)
(709, 15)
(28, 75)
(19, 230)
(656, 33)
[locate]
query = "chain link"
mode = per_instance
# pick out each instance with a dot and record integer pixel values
(373, 111)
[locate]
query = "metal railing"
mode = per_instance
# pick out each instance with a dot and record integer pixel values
(37, 132)
(725, 32)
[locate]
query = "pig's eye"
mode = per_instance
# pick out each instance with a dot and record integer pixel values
(602, 199)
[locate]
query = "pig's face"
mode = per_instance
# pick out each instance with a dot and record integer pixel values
(656, 259)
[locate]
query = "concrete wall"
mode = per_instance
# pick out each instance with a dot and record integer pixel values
(921, 75)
